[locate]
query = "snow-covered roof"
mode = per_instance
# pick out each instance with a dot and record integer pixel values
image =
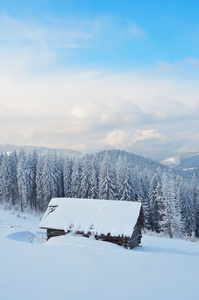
(89, 215)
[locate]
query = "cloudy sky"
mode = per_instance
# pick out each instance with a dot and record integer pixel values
(92, 75)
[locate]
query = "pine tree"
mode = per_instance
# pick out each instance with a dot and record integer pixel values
(14, 194)
(85, 186)
(40, 184)
(6, 181)
(30, 180)
(179, 187)
(155, 198)
(197, 216)
(135, 184)
(120, 176)
(194, 190)
(21, 179)
(94, 179)
(126, 192)
(195, 196)
(34, 170)
(67, 177)
(58, 175)
(188, 211)
(107, 182)
(49, 180)
(144, 183)
(169, 220)
(76, 179)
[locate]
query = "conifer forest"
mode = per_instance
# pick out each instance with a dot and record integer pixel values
(170, 199)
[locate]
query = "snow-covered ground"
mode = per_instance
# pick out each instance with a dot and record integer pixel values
(72, 267)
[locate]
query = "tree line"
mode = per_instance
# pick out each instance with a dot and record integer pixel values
(170, 200)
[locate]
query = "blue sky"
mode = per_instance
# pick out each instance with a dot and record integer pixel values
(120, 34)
(91, 75)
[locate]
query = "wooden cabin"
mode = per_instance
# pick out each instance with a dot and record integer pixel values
(113, 221)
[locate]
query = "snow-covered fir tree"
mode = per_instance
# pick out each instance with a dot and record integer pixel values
(144, 184)
(155, 199)
(195, 196)
(107, 181)
(169, 222)
(126, 188)
(40, 184)
(30, 179)
(58, 173)
(76, 179)
(7, 181)
(67, 171)
(94, 179)
(188, 211)
(22, 179)
(85, 185)
(49, 180)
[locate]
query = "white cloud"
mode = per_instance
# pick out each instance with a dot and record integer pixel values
(68, 30)
(68, 33)
(43, 103)
(91, 109)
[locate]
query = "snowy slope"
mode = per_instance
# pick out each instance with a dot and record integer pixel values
(71, 267)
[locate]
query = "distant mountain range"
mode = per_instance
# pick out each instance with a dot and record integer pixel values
(6, 148)
(188, 162)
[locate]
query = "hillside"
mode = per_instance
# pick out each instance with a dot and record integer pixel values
(72, 267)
